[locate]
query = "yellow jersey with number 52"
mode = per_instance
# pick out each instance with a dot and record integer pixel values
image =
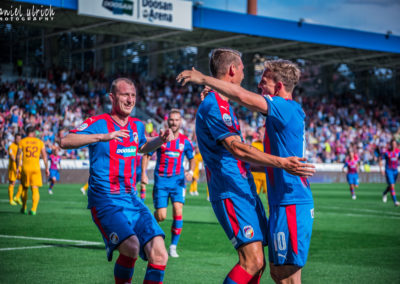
(31, 148)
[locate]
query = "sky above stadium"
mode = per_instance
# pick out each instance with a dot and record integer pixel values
(366, 15)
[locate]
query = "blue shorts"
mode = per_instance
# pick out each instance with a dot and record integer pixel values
(243, 219)
(54, 173)
(289, 236)
(117, 223)
(168, 187)
(352, 178)
(391, 176)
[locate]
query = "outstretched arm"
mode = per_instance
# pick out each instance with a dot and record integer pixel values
(252, 101)
(73, 140)
(248, 153)
(154, 143)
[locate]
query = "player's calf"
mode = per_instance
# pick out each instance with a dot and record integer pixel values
(285, 273)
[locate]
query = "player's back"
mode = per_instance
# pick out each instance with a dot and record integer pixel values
(285, 137)
(31, 148)
(215, 121)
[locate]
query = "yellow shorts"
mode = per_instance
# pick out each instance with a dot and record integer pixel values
(12, 175)
(31, 178)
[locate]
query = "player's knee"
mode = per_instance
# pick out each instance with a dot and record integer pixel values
(258, 262)
(130, 247)
(158, 255)
(160, 216)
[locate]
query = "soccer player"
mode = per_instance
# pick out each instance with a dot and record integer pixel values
(232, 190)
(196, 172)
(125, 223)
(260, 178)
(31, 148)
(391, 157)
(352, 173)
(169, 177)
(12, 172)
(55, 165)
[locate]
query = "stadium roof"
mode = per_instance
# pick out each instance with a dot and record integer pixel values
(319, 44)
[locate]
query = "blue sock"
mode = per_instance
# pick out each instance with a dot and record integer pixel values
(393, 193)
(51, 185)
(123, 269)
(176, 230)
(154, 274)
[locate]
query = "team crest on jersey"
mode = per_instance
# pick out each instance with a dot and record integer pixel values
(135, 137)
(227, 119)
(181, 147)
(114, 238)
(126, 151)
(83, 126)
(248, 232)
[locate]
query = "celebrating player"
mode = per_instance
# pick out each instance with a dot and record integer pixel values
(12, 171)
(391, 157)
(352, 173)
(124, 221)
(31, 148)
(169, 177)
(232, 190)
(55, 165)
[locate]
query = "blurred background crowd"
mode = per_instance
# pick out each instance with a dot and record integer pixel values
(334, 124)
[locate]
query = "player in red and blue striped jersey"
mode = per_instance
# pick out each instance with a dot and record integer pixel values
(169, 177)
(351, 164)
(233, 193)
(391, 157)
(125, 223)
(55, 165)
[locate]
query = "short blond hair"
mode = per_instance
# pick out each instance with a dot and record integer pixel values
(221, 59)
(174, 110)
(284, 71)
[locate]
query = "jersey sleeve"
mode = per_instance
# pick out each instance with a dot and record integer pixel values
(89, 126)
(279, 109)
(141, 133)
(220, 128)
(188, 149)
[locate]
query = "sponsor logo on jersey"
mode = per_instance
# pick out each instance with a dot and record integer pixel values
(114, 238)
(248, 232)
(83, 126)
(126, 151)
(227, 119)
(172, 154)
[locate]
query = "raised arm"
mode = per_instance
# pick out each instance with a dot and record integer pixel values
(252, 101)
(250, 154)
(73, 140)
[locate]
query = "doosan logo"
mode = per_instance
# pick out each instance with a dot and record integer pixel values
(126, 151)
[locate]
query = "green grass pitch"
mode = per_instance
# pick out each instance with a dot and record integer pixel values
(353, 241)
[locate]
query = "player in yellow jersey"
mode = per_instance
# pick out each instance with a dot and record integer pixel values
(259, 175)
(30, 148)
(196, 172)
(12, 172)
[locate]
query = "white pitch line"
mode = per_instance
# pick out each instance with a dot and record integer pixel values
(52, 240)
(33, 247)
(361, 210)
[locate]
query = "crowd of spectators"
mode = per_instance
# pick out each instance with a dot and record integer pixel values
(334, 124)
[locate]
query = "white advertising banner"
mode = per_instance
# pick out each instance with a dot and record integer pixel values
(167, 13)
